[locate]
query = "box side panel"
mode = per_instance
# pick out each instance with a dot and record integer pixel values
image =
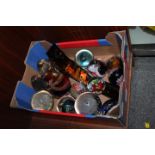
(84, 43)
(127, 58)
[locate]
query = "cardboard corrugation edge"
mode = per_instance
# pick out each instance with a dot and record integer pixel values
(120, 34)
(126, 41)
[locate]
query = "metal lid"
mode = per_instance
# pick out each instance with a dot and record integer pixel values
(66, 104)
(107, 106)
(42, 100)
(83, 57)
(87, 103)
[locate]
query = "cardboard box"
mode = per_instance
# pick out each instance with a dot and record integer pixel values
(116, 43)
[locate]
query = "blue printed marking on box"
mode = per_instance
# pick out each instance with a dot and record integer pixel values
(104, 42)
(36, 53)
(23, 95)
(90, 116)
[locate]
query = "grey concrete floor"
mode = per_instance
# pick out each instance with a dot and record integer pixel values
(142, 107)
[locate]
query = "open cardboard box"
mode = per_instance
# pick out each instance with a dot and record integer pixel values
(116, 43)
